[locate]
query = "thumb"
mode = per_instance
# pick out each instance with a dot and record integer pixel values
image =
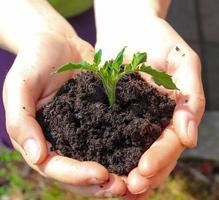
(21, 125)
(190, 106)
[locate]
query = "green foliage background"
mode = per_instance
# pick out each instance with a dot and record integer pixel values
(177, 187)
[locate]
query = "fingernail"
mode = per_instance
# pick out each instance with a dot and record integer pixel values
(32, 150)
(192, 132)
(96, 181)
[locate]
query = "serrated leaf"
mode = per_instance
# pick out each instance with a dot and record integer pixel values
(138, 58)
(97, 57)
(118, 60)
(71, 66)
(160, 78)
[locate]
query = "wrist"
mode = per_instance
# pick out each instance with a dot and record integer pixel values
(127, 15)
(158, 7)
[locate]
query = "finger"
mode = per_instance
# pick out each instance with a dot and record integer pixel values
(164, 150)
(143, 196)
(190, 105)
(20, 118)
(157, 180)
(67, 170)
(74, 172)
(112, 188)
(138, 184)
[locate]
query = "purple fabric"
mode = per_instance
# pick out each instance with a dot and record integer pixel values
(84, 25)
(6, 60)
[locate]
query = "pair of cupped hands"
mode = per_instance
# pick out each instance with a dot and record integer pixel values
(31, 84)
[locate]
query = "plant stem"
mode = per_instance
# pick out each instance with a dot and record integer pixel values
(110, 90)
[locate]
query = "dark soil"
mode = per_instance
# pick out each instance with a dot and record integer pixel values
(81, 125)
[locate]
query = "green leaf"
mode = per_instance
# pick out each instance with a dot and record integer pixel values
(81, 65)
(118, 60)
(160, 78)
(97, 57)
(128, 68)
(112, 71)
(104, 70)
(139, 58)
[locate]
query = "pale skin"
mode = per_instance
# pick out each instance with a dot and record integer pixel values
(167, 51)
(50, 42)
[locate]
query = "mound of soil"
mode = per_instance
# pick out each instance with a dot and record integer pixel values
(81, 125)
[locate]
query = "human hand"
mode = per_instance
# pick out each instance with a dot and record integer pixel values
(168, 52)
(29, 85)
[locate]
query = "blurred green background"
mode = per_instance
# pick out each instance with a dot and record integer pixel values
(191, 180)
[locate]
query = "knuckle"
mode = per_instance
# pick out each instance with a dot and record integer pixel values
(12, 126)
(192, 145)
(196, 59)
(201, 102)
(189, 143)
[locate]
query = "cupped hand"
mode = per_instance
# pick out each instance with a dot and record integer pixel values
(168, 52)
(29, 85)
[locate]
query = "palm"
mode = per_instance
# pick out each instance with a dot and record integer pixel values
(43, 55)
(30, 84)
(167, 52)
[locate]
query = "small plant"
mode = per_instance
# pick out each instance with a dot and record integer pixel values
(111, 71)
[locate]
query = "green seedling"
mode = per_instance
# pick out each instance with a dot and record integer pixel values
(111, 71)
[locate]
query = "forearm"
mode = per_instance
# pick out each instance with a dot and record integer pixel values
(128, 14)
(20, 19)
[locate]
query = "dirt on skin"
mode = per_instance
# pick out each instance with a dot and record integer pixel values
(80, 123)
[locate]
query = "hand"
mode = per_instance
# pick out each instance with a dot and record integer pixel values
(168, 52)
(29, 85)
